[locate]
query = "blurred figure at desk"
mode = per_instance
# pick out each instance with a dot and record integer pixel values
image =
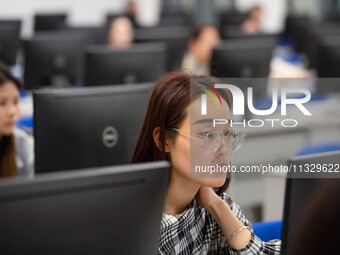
(16, 147)
(200, 47)
(252, 24)
(120, 33)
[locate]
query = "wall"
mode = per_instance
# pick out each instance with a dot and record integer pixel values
(80, 11)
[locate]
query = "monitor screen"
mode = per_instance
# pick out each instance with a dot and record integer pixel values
(53, 59)
(92, 34)
(176, 39)
(299, 191)
(243, 58)
(112, 210)
(88, 127)
(45, 22)
(139, 63)
(9, 43)
(328, 59)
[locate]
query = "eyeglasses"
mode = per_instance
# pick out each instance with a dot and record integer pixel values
(213, 140)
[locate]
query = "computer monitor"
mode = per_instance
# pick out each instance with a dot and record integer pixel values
(53, 59)
(232, 18)
(328, 56)
(45, 22)
(138, 63)
(92, 34)
(314, 37)
(112, 210)
(9, 44)
(300, 188)
(243, 58)
(235, 32)
(171, 19)
(88, 127)
(176, 38)
(10, 22)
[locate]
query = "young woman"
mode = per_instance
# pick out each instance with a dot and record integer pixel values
(200, 48)
(198, 218)
(16, 147)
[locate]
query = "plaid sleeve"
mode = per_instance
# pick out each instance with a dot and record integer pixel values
(255, 245)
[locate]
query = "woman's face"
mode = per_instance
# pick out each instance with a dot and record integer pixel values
(9, 108)
(205, 44)
(187, 151)
(121, 33)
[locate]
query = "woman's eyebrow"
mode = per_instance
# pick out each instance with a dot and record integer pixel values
(204, 121)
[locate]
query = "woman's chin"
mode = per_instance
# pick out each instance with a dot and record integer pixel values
(213, 182)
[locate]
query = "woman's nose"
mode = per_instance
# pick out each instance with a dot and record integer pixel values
(13, 109)
(224, 148)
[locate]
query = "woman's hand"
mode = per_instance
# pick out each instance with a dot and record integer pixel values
(207, 197)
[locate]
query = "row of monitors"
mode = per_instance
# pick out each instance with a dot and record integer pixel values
(58, 21)
(114, 209)
(66, 139)
(65, 60)
(175, 37)
(320, 42)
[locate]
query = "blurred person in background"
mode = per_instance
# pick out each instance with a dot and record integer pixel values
(252, 24)
(120, 33)
(131, 12)
(16, 147)
(200, 47)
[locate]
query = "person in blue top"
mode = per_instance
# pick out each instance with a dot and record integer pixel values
(16, 147)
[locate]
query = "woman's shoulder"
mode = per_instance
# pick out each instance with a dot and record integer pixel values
(24, 148)
(20, 134)
(23, 141)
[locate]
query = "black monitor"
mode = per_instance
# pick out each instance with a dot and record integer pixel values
(9, 43)
(300, 188)
(243, 58)
(235, 32)
(10, 22)
(88, 127)
(112, 210)
(53, 59)
(328, 56)
(232, 18)
(314, 37)
(45, 22)
(175, 19)
(138, 63)
(176, 39)
(92, 34)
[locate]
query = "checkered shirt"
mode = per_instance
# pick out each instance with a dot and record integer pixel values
(196, 232)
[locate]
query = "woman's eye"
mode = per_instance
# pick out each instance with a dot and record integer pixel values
(208, 135)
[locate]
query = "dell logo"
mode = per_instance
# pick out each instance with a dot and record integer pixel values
(110, 137)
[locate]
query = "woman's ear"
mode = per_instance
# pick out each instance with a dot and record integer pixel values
(156, 137)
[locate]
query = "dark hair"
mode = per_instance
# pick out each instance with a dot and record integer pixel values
(166, 110)
(7, 146)
(6, 76)
(318, 229)
(197, 31)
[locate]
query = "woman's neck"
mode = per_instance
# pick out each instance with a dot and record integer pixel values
(180, 193)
